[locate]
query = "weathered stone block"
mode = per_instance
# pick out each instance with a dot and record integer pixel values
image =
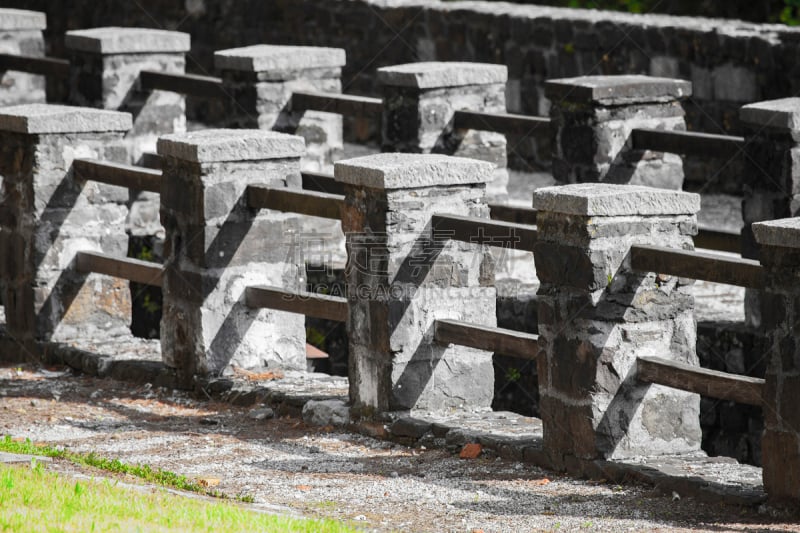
(21, 33)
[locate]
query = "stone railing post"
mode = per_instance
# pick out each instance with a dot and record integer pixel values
(46, 217)
(772, 179)
(596, 316)
(592, 118)
(779, 254)
(400, 277)
(419, 100)
(21, 33)
(104, 73)
(216, 246)
(261, 79)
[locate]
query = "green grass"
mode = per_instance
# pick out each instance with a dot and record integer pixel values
(32, 499)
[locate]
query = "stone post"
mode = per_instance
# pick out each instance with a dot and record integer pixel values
(261, 80)
(400, 278)
(772, 178)
(21, 33)
(46, 217)
(104, 73)
(597, 315)
(780, 300)
(591, 122)
(419, 100)
(216, 246)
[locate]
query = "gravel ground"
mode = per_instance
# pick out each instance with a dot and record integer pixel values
(287, 466)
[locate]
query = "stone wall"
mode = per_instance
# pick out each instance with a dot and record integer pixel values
(729, 62)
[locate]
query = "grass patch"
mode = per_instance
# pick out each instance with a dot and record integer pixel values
(32, 499)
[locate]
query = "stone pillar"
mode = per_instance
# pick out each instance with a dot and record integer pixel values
(216, 246)
(21, 33)
(419, 100)
(400, 278)
(104, 73)
(780, 300)
(596, 315)
(46, 217)
(591, 122)
(261, 80)
(772, 178)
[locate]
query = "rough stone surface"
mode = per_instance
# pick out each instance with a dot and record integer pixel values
(600, 199)
(401, 277)
(20, 87)
(216, 247)
(326, 413)
(217, 145)
(21, 19)
(117, 40)
(47, 217)
(279, 58)
(597, 315)
(784, 232)
(438, 74)
(409, 171)
(617, 90)
(51, 118)
(781, 114)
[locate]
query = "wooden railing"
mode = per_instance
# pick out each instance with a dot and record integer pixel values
(697, 265)
(124, 268)
(189, 84)
(344, 104)
(506, 123)
(318, 204)
(491, 339)
(687, 142)
(46, 66)
(132, 177)
(483, 231)
(301, 302)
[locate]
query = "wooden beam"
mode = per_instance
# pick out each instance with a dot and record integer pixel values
(499, 340)
(46, 66)
(483, 231)
(320, 182)
(697, 265)
(513, 214)
(507, 123)
(343, 104)
(126, 268)
(301, 302)
(723, 241)
(687, 142)
(191, 84)
(317, 204)
(132, 177)
(709, 383)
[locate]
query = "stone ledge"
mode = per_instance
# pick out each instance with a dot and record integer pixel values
(50, 118)
(784, 232)
(22, 19)
(435, 74)
(408, 171)
(603, 199)
(617, 90)
(266, 57)
(208, 146)
(118, 40)
(781, 114)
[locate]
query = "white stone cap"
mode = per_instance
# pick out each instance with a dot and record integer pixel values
(433, 74)
(22, 19)
(605, 199)
(50, 118)
(783, 232)
(269, 57)
(208, 146)
(783, 113)
(409, 171)
(117, 40)
(617, 90)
